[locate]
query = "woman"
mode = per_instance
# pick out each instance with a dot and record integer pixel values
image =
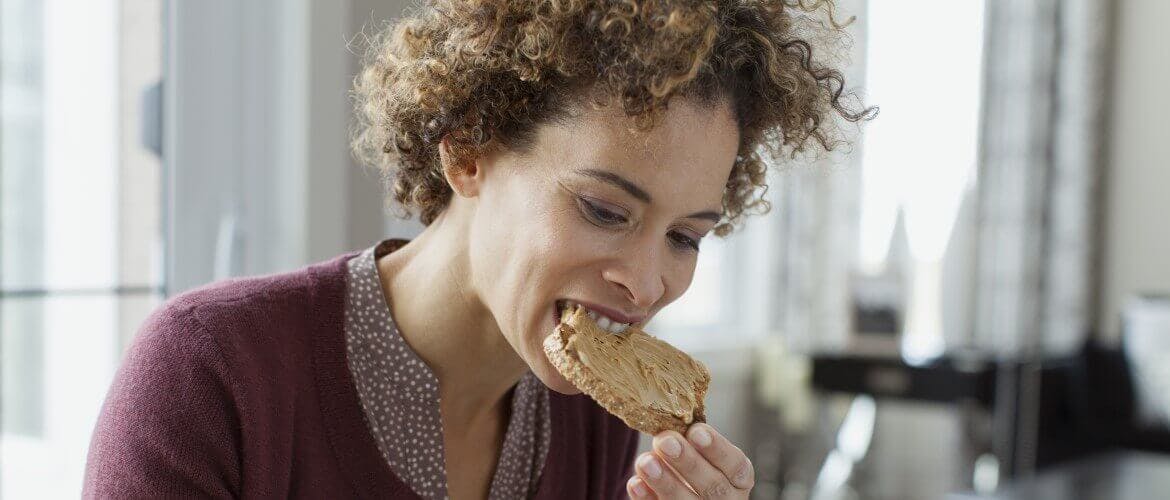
(556, 151)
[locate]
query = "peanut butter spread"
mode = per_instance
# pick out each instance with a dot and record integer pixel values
(636, 366)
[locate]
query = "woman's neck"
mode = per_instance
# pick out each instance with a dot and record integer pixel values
(441, 317)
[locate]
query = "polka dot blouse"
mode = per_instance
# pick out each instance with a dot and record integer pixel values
(400, 397)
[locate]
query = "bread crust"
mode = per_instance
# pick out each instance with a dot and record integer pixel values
(640, 417)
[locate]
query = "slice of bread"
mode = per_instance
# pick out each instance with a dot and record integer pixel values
(644, 381)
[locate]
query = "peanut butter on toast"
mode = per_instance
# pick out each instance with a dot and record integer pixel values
(646, 382)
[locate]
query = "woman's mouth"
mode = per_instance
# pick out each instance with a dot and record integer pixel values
(604, 322)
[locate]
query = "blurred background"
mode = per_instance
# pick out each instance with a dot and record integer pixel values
(973, 301)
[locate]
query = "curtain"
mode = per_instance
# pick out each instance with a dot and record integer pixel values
(1039, 199)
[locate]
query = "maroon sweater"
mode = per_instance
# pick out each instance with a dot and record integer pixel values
(241, 389)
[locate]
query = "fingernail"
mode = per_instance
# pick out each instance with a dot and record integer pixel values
(639, 489)
(700, 436)
(650, 466)
(671, 447)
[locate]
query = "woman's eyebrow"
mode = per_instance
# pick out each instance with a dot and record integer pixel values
(639, 193)
(617, 180)
(706, 214)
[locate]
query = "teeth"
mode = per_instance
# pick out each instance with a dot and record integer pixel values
(616, 327)
(603, 322)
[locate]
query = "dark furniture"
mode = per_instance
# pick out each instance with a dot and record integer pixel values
(1086, 401)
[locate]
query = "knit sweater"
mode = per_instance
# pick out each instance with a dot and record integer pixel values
(241, 389)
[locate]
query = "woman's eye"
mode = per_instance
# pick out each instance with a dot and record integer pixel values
(684, 242)
(599, 214)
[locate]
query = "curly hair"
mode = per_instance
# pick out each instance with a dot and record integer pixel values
(475, 71)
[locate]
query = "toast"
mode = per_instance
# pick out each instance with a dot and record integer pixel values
(646, 382)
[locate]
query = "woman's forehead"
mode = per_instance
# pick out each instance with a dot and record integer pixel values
(688, 154)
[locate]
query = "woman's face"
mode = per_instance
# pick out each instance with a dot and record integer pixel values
(596, 215)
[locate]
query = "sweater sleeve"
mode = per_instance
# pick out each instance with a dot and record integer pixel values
(169, 427)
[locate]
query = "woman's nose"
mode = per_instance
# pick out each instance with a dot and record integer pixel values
(640, 279)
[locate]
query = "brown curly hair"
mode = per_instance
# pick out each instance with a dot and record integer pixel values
(481, 70)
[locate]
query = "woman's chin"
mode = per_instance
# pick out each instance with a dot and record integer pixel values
(564, 388)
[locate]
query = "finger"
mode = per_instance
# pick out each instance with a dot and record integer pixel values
(661, 480)
(638, 489)
(707, 481)
(723, 455)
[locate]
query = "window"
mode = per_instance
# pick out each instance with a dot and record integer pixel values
(80, 235)
(919, 156)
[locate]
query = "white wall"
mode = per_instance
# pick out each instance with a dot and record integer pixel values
(1137, 207)
(334, 58)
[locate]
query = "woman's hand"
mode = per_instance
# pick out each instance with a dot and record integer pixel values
(703, 465)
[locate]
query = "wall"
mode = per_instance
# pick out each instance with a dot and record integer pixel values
(368, 17)
(1136, 254)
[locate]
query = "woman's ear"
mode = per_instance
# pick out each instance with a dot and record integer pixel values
(464, 177)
